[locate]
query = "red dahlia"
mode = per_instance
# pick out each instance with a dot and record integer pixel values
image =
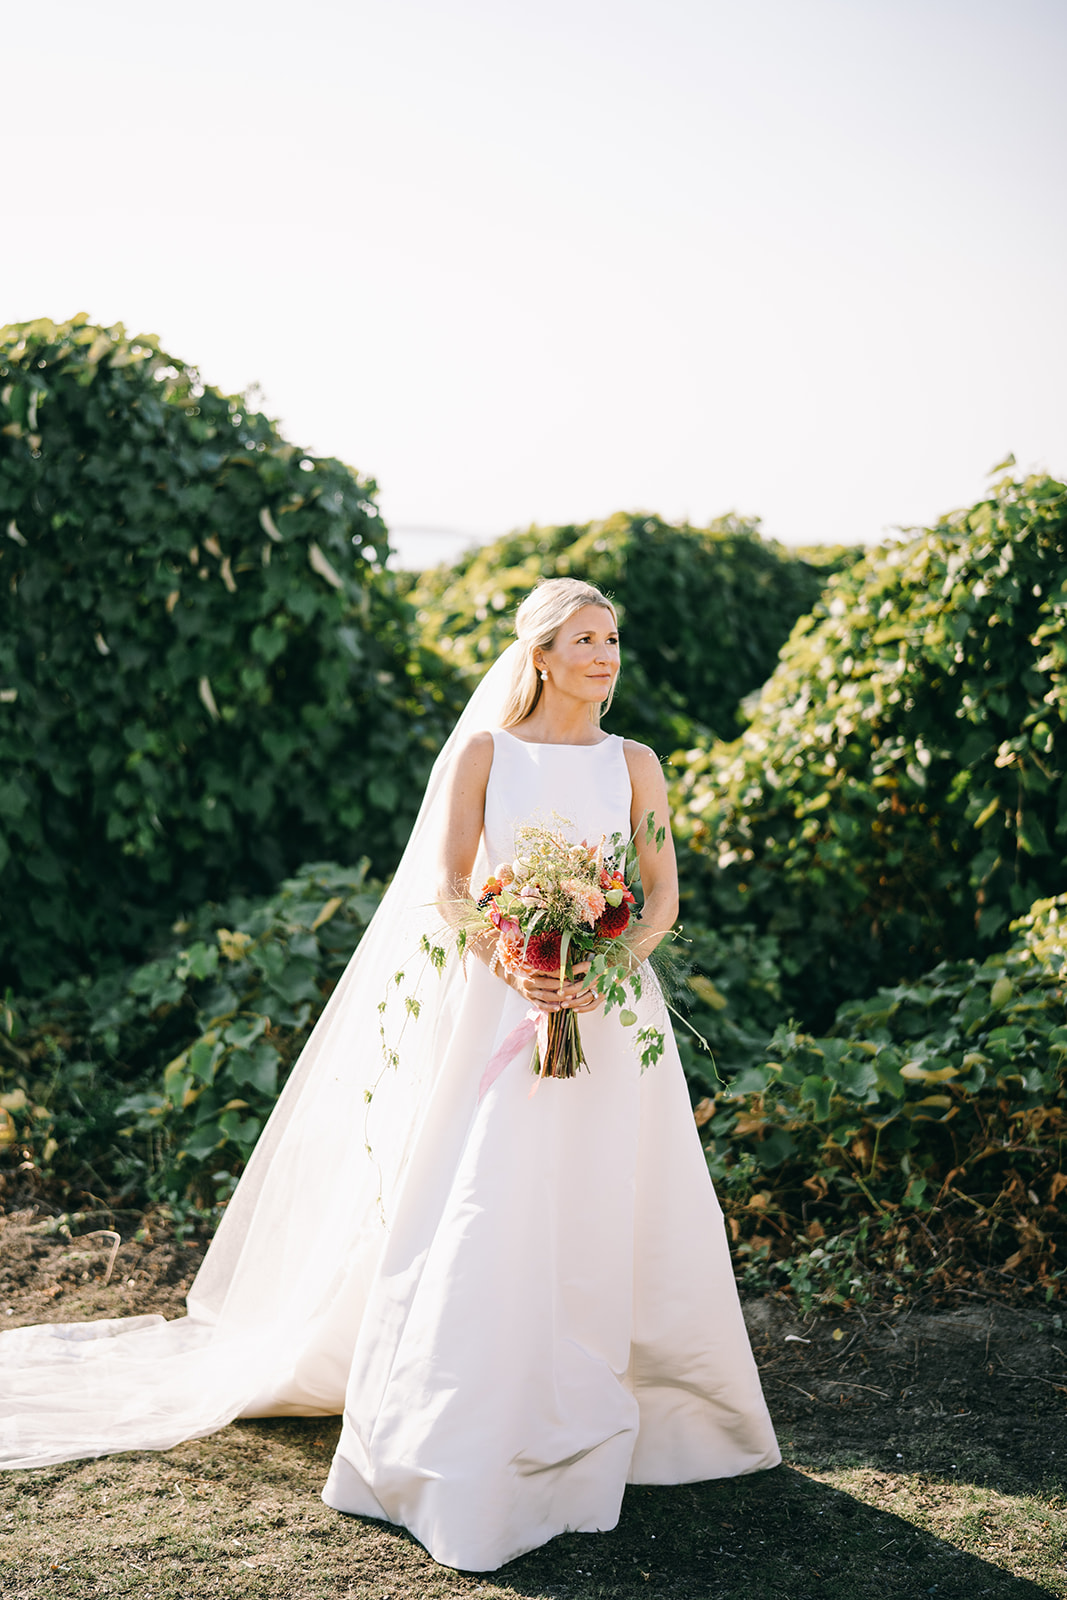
(542, 952)
(616, 920)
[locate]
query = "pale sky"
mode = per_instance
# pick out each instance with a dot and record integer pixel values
(541, 261)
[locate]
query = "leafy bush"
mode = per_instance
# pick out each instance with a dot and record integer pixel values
(927, 1129)
(731, 994)
(151, 1086)
(704, 610)
(900, 793)
(206, 676)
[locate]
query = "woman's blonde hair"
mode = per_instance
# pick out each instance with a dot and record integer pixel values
(537, 622)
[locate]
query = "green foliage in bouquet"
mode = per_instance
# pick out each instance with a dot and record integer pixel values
(703, 610)
(932, 1119)
(206, 676)
(150, 1086)
(900, 793)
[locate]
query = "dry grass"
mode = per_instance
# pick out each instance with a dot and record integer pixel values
(926, 1455)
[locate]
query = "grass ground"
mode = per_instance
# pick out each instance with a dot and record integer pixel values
(239, 1515)
(925, 1454)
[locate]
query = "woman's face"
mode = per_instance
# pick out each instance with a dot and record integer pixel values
(583, 659)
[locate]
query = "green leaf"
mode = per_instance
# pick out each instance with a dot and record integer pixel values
(816, 1091)
(1001, 993)
(987, 811)
(244, 1131)
(201, 1143)
(255, 1067)
(13, 800)
(245, 1031)
(296, 981)
(201, 960)
(777, 1147)
(752, 1080)
(1032, 836)
(203, 1058)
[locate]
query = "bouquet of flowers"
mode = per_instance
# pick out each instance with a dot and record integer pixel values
(555, 906)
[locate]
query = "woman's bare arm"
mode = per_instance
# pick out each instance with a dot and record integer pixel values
(659, 869)
(464, 819)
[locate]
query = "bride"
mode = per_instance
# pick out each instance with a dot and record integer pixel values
(520, 1302)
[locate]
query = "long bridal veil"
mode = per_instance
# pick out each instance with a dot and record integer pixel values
(279, 1297)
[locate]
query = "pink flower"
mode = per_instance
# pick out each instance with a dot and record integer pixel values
(509, 944)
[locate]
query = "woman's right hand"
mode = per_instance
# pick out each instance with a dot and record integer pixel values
(548, 993)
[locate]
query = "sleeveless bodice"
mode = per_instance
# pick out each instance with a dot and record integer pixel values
(581, 790)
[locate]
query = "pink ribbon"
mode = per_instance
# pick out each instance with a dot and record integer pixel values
(534, 1025)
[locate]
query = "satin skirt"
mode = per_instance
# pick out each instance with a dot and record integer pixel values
(554, 1314)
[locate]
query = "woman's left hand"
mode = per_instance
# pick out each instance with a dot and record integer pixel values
(585, 999)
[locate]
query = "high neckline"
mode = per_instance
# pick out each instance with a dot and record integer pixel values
(542, 744)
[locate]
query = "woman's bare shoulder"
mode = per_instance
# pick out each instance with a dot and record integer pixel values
(482, 740)
(640, 757)
(475, 754)
(646, 774)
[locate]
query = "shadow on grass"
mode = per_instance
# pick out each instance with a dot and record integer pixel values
(238, 1515)
(778, 1535)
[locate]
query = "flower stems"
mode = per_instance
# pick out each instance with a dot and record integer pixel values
(563, 1054)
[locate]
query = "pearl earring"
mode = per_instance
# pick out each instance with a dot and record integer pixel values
(544, 676)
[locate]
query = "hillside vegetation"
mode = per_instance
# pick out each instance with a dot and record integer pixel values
(899, 794)
(206, 674)
(209, 679)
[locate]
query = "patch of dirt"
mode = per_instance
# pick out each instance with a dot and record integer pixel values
(50, 1277)
(980, 1390)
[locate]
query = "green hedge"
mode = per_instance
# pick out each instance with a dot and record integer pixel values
(926, 1132)
(150, 1086)
(922, 1138)
(900, 793)
(206, 676)
(732, 994)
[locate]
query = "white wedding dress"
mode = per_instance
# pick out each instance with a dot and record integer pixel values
(521, 1302)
